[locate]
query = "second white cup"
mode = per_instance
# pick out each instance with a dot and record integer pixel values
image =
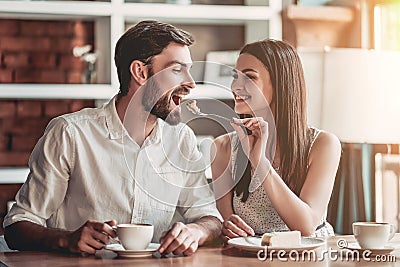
(373, 235)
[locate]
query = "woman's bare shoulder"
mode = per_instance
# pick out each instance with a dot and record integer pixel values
(326, 143)
(326, 138)
(220, 153)
(223, 142)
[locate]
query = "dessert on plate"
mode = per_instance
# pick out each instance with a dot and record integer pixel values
(281, 239)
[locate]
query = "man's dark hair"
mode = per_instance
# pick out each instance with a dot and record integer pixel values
(141, 42)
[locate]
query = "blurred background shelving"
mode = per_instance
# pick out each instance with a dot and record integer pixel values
(109, 19)
(40, 78)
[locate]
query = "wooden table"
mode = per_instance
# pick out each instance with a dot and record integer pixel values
(205, 256)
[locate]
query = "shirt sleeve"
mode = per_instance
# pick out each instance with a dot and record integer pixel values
(196, 199)
(50, 165)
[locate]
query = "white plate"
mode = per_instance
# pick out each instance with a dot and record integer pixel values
(374, 251)
(119, 249)
(253, 244)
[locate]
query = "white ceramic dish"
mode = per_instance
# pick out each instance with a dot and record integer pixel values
(119, 249)
(374, 251)
(253, 244)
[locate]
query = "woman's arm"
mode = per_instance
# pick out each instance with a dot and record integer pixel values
(301, 213)
(233, 225)
(221, 175)
(304, 213)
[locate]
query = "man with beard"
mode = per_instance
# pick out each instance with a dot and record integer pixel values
(129, 161)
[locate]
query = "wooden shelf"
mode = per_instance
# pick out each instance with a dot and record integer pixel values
(221, 14)
(320, 13)
(13, 175)
(56, 91)
(110, 23)
(194, 14)
(54, 9)
(92, 91)
(318, 26)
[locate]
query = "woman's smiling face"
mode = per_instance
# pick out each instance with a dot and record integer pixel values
(251, 87)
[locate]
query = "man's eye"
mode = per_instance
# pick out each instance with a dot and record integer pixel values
(177, 70)
(249, 77)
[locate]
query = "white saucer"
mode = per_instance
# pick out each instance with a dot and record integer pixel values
(374, 251)
(253, 244)
(119, 249)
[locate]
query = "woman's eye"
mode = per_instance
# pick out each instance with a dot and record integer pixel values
(249, 77)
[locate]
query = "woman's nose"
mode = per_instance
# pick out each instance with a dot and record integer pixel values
(237, 86)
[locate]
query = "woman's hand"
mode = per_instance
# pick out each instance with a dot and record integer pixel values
(254, 145)
(234, 226)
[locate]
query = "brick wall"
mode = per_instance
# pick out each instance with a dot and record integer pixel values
(35, 51)
(41, 51)
(22, 122)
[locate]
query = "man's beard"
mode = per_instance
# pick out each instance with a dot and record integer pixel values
(157, 103)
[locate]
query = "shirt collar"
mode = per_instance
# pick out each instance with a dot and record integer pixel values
(115, 127)
(117, 130)
(155, 135)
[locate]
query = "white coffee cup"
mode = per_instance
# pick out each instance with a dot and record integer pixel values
(135, 236)
(373, 235)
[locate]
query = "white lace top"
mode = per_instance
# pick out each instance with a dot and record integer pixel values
(258, 212)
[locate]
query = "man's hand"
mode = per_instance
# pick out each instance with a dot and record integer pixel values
(181, 238)
(90, 237)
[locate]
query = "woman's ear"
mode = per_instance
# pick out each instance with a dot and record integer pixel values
(139, 71)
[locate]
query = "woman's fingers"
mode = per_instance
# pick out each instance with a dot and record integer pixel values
(253, 124)
(228, 233)
(237, 126)
(242, 224)
(234, 226)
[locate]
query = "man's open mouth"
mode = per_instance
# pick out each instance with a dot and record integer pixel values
(178, 94)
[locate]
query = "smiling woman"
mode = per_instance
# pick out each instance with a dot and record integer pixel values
(273, 181)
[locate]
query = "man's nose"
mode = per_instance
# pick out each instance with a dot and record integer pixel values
(189, 81)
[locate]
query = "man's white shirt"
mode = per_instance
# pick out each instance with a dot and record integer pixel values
(86, 167)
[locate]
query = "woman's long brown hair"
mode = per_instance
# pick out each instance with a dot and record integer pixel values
(289, 98)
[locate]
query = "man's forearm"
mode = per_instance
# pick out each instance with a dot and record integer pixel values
(210, 226)
(26, 235)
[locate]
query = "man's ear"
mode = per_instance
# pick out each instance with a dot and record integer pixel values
(139, 71)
